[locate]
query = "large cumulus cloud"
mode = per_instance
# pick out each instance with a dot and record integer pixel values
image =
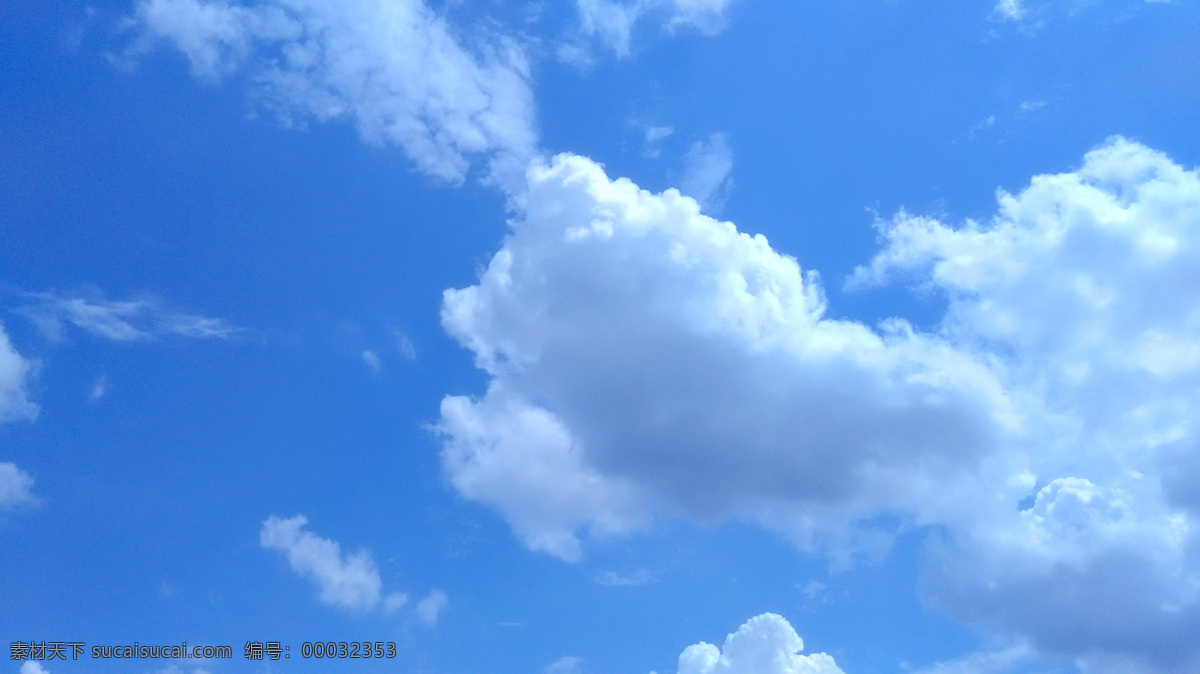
(647, 361)
(645, 357)
(1086, 285)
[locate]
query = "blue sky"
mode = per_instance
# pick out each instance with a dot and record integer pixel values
(695, 336)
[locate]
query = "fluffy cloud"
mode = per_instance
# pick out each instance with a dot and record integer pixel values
(15, 487)
(765, 644)
(647, 360)
(15, 372)
(393, 69)
(119, 321)
(33, 667)
(346, 581)
(646, 357)
(1085, 287)
(612, 21)
(431, 607)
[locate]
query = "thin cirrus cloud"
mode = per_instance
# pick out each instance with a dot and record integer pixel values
(347, 581)
(994, 661)
(118, 320)
(568, 664)
(707, 170)
(635, 579)
(612, 22)
(393, 69)
(646, 361)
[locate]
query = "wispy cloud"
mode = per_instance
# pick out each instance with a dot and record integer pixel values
(612, 22)
(1009, 10)
(568, 664)
(395, 70)
(706, 176)
(404, 345)
(372, 360)
(993, 661)
(99, 388)
(118, 320)
(1031, 106)
(639, 577)
(16, 487)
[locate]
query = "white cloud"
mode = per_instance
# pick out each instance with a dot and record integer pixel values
(765, 644)
(33, 667)
(15, 373)
(372, 360)
(814, 590)
(16, 487)
(393, 69)
(1032, 106)
(997, 661)
(119, 321)
(404, 345)
(706, 177)
(346, 581)
(707, 16)
(394, 602)
(99, 388)
(655, 134)
(1084, 290)
(431, 607)
(568, 664)
(646, 358)
(612, 22)
(1008, 10)
(653, 137)
(614, 579)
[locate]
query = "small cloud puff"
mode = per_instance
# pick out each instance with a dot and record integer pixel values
(372, 361)
(568, 664)
(765, 644)
(430, 608)
(16, 487)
